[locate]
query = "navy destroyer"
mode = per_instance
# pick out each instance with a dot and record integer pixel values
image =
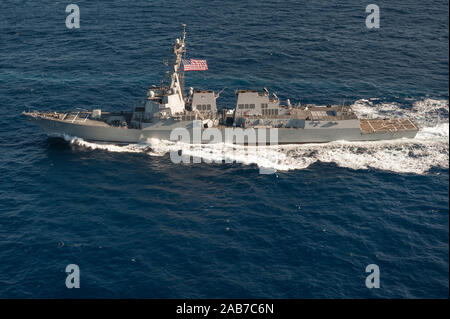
(169, 107)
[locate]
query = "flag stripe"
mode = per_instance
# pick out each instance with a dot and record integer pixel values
(195, 65)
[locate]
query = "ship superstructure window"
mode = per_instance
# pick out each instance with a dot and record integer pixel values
(246, 106)
(204, 107)
(270, 112)
(264, 105)
(240, 106)
(252, 106)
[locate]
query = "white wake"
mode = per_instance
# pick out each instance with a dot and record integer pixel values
(430, 148)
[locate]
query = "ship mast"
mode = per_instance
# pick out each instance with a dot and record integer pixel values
(184, 56)
(179, 49)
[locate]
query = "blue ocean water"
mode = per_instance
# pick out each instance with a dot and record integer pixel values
(139, 225)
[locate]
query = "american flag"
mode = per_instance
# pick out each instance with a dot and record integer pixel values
(195, 65)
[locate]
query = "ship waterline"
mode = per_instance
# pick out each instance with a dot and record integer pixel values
(312, 132)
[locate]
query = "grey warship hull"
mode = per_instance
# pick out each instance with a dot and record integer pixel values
(168, 113)
(312, 132)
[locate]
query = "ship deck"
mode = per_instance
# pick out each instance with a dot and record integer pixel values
(68, 117)
(370, 126)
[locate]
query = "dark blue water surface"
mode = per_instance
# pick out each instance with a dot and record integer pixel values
(139, 225)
